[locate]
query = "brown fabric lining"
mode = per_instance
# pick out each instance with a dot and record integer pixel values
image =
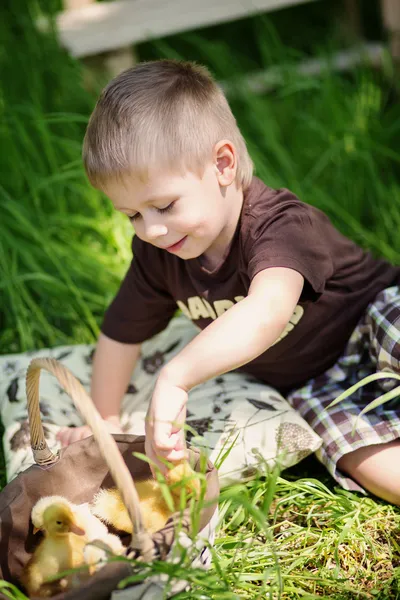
(78, 475)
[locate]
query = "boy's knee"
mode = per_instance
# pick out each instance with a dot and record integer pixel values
(384, 323)
(389, 352)
(388, 360)
(385, 346)
(376, 468)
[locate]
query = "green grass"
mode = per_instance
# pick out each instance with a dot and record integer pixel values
(295, 536)
(334, 140)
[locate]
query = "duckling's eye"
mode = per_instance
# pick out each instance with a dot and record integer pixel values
(59, 522)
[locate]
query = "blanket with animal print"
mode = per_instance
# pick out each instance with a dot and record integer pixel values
(232, 412)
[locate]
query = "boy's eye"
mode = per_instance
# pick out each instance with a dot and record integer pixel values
(166, 208)
(133, 218)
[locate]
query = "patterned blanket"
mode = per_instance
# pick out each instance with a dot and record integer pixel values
(233, 411)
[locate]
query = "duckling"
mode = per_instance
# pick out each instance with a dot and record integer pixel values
(61, 548)
(109, 507)
(182, 475)
(95, 553)
(95, 530)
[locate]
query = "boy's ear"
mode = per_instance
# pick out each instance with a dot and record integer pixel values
(225, 160)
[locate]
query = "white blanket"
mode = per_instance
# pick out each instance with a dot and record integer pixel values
(233, 410)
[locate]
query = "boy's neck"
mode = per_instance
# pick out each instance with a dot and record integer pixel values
(213, 257)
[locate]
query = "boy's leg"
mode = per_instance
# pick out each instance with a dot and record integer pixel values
(361, 454)
(377, 467)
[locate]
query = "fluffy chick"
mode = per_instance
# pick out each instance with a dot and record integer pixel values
(61, 548)
(100, 543)
(90, 528)
(109, 507)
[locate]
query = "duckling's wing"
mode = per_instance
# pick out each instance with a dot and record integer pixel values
(108, 506)
(92, 525)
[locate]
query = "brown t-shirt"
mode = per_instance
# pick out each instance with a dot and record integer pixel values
(275, 229)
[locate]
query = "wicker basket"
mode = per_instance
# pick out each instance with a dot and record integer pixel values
(78, 472)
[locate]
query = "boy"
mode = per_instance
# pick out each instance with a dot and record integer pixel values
(275, 288)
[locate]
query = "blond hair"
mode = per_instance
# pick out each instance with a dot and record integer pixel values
(162, 114)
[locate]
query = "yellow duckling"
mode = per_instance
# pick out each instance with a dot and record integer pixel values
(61, 548)
(109, 507)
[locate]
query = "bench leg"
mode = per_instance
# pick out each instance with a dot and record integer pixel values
(102, 67)
(118, 60)
(391, 21)
(352, 19)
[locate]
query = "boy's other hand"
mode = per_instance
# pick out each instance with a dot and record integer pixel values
(69, 435)
(165, 438)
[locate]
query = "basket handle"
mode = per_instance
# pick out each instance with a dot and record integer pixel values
(141, 540)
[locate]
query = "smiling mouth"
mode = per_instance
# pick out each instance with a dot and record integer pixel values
(177, 246)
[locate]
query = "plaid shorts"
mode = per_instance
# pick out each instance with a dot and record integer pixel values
(373, 346)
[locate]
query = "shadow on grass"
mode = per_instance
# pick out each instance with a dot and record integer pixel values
(310, 467)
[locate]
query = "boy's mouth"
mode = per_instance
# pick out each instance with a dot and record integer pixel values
(177, 246)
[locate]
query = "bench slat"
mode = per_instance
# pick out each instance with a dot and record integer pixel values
(104, 26)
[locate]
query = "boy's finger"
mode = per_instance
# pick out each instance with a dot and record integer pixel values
(179, 450)
(176, 455)
(162, 438)
(65, 441)
(173, 444)
(155, 464)
(60, 434)
(63, 436)
(70, 437)
(164, 446)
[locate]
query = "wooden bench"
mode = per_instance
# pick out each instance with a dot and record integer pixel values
(100, 26)
(87, 28)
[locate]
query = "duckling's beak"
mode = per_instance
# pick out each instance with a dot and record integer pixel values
(77, 530)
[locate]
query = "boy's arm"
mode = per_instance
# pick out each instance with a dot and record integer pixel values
(242, 333)
(238, 336)
(113, 365)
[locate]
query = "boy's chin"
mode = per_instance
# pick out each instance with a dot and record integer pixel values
(190, 251)
(189, 255)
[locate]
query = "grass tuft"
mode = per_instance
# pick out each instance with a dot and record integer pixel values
(333, 139)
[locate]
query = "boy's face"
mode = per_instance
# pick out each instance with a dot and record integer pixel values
(187, 215)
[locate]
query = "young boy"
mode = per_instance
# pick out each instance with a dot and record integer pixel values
(276, 290)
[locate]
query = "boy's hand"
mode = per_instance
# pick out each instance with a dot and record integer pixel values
(165, 438)
(68, 435)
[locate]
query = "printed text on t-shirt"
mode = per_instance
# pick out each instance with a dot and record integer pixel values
(199, 308)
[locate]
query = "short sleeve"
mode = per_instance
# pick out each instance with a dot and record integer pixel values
(286, 232)
(143, 305)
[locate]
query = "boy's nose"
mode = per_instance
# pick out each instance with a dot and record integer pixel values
(155, 230)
